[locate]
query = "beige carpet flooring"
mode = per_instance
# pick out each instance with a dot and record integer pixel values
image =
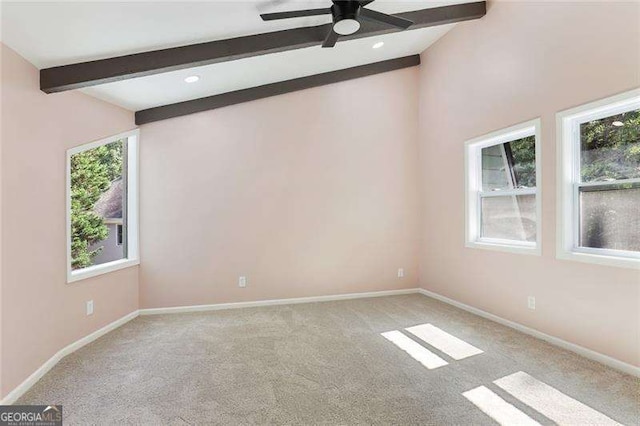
(328, 363)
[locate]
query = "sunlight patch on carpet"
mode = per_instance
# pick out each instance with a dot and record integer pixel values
(497, 408)
(415, 350)
(550, 402)
(454, 347)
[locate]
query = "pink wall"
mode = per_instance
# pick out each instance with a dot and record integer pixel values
(521, 61)
(1, 204)
(319, 192)
(309, 193)
(41, 313)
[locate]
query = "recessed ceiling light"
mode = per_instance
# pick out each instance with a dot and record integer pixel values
(378, 45)
(192, 79)
(618, 123)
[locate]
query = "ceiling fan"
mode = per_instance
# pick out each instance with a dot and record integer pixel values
(346, 15)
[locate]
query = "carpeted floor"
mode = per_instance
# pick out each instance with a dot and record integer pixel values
(327, 363)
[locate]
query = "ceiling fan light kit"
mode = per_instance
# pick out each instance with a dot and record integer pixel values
(346, 18)
(346, 26)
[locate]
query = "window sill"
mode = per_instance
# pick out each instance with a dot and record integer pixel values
(105, 268)
(599, 259)
(531, 249)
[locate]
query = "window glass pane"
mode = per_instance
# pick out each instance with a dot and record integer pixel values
(610, 217)
(610, 148)
(98, 194)
(494, 169)
(509, 217)
(509, 165)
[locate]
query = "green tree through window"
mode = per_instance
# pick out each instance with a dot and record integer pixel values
(610, 148)
(92, 172)
(524, 161)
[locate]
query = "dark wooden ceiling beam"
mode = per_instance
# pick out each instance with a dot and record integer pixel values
(260, 92)
(86, 74)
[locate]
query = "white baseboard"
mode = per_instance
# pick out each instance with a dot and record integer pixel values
(274, 302)
(51, 362)
(580, 350)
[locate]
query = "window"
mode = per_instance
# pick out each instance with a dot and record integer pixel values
(503, 196)
(599, 181)
(102, 206)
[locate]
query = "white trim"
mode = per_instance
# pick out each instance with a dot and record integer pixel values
(51, 362)
(95, 270)
(598, 259)
(508, 134)
(473, 173)
(508, 192)
(100, 142)
(568, 177)
(133, 197)
(274, 302)
(507, 246)
(133, 256)
(580, 350)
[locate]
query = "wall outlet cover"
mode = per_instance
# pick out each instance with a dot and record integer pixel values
(531, 302)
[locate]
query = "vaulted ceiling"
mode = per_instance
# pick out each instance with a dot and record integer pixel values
(53, 34)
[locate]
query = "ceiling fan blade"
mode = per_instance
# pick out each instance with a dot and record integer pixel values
(331, 40)
(363, 3)
(294, 14)
(386, 19)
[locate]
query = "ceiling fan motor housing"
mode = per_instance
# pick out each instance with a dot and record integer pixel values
(345, 17)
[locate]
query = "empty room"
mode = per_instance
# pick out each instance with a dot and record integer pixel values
(306, 212)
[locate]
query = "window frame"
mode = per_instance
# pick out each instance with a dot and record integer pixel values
(474, 193)
(132, 234)
(569, 181)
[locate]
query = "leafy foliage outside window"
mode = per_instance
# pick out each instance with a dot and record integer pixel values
(510, 165)
(92, 172)
(610, 148)
(524, 161)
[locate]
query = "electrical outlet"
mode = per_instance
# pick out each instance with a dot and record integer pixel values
(242, 282)
(531, 302)
(400, 272)
(90, 307)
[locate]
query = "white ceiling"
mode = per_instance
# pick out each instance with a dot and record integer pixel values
(59, 33)
(162, 89)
